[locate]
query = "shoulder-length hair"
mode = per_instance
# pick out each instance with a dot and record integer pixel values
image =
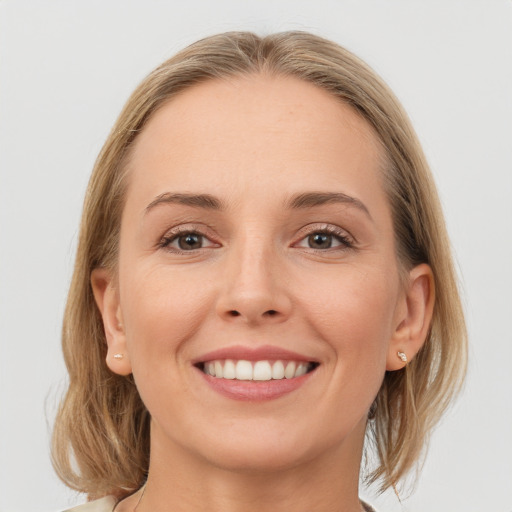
(101, 434)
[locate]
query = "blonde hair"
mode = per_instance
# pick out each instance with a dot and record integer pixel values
(101, 434)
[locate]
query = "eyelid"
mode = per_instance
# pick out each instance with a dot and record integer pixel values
(348, 241)
(175, 232)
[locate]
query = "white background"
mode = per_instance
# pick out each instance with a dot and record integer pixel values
(66, 68)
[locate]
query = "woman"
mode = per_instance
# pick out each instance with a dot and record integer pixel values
(263, 282)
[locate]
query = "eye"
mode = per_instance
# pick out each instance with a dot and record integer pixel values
(320, 241)
(326, 238)
(190, 241)
(186, 241)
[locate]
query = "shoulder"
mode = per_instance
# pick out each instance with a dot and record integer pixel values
(105, 504)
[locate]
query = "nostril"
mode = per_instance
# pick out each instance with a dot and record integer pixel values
(270, 313)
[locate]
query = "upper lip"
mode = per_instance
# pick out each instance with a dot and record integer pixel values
(261, 353)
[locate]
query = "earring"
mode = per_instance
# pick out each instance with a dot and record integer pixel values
(402, 356)
(118, 356)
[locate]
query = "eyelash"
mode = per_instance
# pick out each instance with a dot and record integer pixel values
(179, 232)
(340, 235)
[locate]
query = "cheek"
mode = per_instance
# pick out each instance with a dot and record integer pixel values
(355, 315)
(162, 309)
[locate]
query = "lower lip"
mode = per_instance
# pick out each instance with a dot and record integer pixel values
(250, 390)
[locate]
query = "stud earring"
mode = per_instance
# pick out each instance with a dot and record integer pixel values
(118, 356)
(402, 356)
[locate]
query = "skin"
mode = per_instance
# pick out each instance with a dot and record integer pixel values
(253, 143)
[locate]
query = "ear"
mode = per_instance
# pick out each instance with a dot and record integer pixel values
(414, 317)
(107, 300)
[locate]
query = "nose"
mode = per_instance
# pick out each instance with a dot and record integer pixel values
(254, 288)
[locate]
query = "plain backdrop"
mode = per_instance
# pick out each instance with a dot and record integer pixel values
(67, 67)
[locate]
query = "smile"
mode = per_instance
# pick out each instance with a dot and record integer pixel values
(263, 370)
(255, 374)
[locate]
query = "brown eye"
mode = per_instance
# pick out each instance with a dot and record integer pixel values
(320, 241)
(190, 241)
(328, 239)
(186, 241)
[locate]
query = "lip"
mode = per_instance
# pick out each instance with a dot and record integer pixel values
(262, 353)
(253, 390)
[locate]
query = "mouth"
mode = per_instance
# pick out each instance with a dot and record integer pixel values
(255, 374)
(259, 370)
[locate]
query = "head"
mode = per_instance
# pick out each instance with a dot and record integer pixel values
(111, 442)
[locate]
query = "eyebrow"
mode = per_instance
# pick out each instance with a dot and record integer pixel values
(311, 199)
(205, 201)
(298, 201)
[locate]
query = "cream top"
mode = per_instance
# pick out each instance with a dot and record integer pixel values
(108, 503)
(105, 504)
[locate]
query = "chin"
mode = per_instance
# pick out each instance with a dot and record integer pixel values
(267, 449)
(257, 458)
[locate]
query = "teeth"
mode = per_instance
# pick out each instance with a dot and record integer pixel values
(210, 369)
(218, 369)
(262, 371)
(302, 369)
(229, 370)
(243, 370)
(278, 370)
(289, 371)
(259, 370)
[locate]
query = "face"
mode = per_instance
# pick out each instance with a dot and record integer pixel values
(257, 299)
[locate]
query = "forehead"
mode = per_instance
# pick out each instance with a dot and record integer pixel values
(246, 130)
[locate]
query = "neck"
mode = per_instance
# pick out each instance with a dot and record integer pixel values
(183, 482)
